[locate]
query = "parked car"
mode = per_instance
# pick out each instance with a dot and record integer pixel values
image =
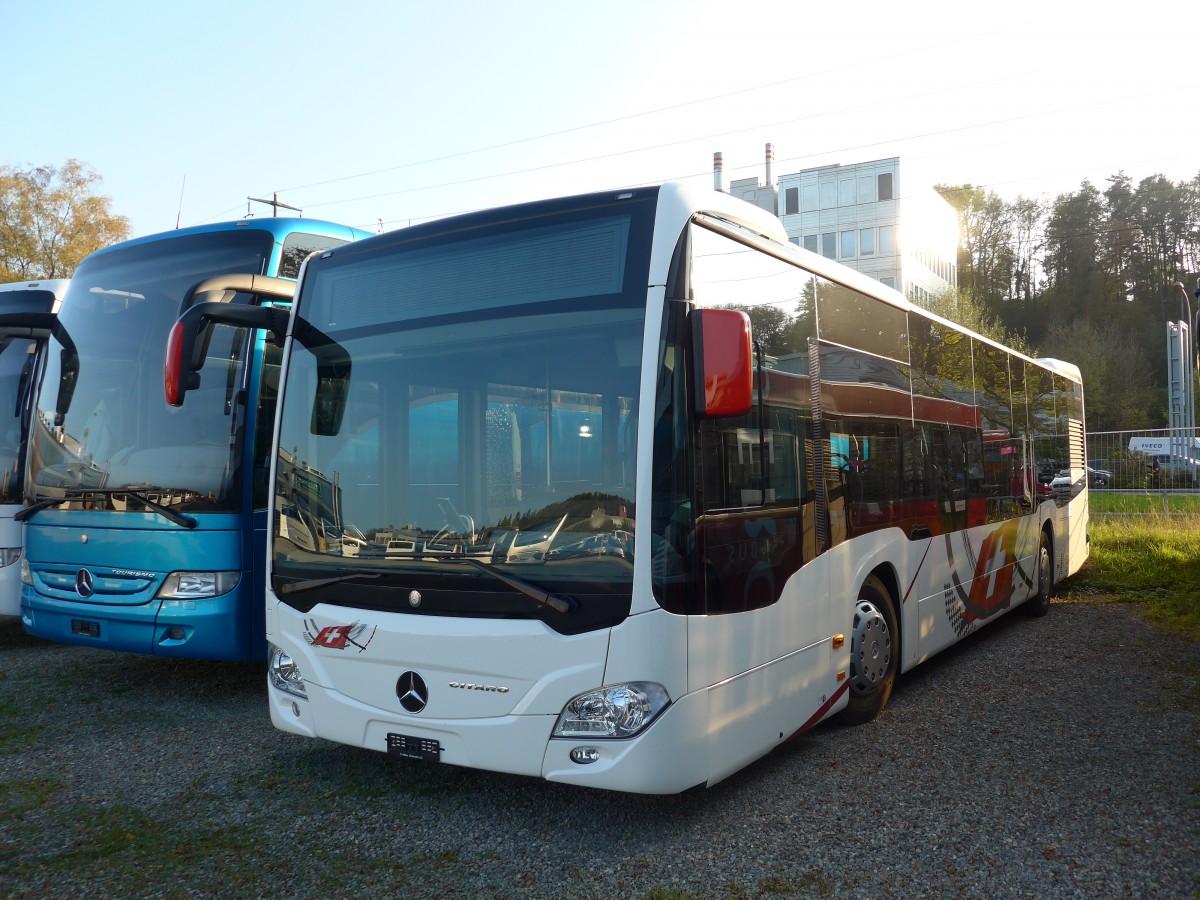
(1062, 483)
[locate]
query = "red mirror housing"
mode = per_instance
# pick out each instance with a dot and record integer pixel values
(173, 388)
(724, 372)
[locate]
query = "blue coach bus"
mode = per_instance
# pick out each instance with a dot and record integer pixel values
(146, 525)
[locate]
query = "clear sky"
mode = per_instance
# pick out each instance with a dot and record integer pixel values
(397, 112)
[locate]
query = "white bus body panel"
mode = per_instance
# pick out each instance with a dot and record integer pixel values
(499, 730)
(996, 564)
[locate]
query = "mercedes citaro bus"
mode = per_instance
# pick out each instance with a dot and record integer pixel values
(641, 489)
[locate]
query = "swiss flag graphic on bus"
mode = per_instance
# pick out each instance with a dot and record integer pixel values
(336, 637)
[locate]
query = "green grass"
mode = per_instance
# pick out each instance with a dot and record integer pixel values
(1144, 502)
(1150, 560)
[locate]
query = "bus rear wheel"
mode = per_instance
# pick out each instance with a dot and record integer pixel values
(1039, 604)
(874, 652)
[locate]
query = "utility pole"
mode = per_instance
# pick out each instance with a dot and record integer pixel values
(275, 204)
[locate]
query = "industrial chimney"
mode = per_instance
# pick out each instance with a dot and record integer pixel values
(718, 174)
(770, 164)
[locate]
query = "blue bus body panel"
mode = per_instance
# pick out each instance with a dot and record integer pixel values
(128, 556)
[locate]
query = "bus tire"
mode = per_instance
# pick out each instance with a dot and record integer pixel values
(1039, 604)
(874, 653)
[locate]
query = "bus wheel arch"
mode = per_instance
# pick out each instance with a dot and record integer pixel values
(874, 648)
(1039, 602)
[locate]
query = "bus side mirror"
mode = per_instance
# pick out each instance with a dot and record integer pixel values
(188, 340)
(722, 363)
(40, 326)
(207, 304)
(333, 377)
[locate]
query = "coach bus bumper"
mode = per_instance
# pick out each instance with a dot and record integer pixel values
(209, 628)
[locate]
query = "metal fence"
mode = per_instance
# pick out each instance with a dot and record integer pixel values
(1164, 463)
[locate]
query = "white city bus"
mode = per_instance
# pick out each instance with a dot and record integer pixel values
(643, 489)
(27, 310)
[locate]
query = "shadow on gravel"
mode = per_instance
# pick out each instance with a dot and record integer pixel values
(115, 672)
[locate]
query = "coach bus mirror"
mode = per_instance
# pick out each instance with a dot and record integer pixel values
(39, 326)
(187, 344)
(333, 377)
(223, 288)
(723, 370)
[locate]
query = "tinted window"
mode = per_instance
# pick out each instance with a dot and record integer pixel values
(755, 469)
(297, 247)
(855, 320)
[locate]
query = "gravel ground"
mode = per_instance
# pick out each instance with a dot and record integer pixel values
(1041, 757)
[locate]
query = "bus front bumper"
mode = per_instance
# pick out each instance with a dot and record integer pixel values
(188, 629)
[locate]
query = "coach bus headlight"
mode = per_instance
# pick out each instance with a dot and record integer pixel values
(197, 585)
(285, 674)
(9, 555)
(26, 574)
(616, 711)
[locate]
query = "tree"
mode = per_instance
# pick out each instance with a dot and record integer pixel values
(1117, 374)
(51, 218)
(959, 306)
(986, 263)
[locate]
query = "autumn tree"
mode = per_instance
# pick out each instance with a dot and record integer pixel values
(51, 218)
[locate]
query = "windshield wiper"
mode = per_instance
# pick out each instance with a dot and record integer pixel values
(294, 587)
(26, 511)
(528, 588)
(80, 493)
(544, 597)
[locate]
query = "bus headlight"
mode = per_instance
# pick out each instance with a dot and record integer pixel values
(26, 574)
(197, 585)
(616, 711)
(284, 674)
(9, 555)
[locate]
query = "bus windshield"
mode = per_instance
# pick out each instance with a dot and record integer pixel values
(116, 432)
(488, 429)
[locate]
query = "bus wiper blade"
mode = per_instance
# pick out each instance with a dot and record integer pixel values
(76, 494)
(294, 587)
(542, 596)
(26, 511)
(165, 512)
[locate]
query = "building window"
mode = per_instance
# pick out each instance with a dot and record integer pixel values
(866, 189)
(866, 242)
(828, 194)
(849, 245)
(887, 239)
(885, 186)
(795, 240)
(846, 193)
(791, 201)
(809, 199)
(888, 281)
(810, 242)
(829, 244)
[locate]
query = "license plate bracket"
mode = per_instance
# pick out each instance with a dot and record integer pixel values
(409, 747)
(85, 628)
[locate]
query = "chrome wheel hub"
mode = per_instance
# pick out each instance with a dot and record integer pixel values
(870, 649)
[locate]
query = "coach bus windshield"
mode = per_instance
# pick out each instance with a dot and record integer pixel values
(116, 432)
(487, 439)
